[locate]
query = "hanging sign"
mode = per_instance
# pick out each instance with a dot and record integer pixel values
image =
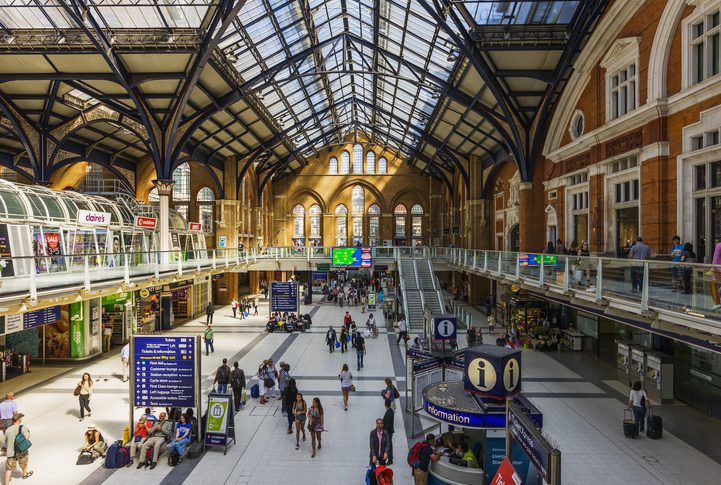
(93, 218)
(146, 222)
(445, 327)
(195, 226)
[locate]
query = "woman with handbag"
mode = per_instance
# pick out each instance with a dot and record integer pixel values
(300, 408)
(346, 384)
(315, 423)
(271, 377)
(84, 390)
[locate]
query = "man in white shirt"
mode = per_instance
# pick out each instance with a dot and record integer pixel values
(402, 330)
(8, 408)
(125, 359)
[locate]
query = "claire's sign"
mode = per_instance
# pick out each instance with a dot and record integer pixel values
(93, 218)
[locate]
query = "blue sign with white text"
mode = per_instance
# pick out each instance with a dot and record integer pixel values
(283, 296)
(445, 327)
(530, 441)
(38, 318)
(164, 371)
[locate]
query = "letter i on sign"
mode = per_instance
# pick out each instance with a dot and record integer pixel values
(481, 374)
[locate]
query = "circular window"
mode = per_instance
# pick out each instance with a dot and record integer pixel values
(577, 125)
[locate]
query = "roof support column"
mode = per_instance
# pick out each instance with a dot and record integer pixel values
(165, 190)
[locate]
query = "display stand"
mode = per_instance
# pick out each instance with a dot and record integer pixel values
(219, 421)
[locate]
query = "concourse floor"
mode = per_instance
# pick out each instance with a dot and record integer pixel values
(581, 414)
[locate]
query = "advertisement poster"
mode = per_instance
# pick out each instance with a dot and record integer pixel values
(6, 265)
(77, 332)
(217, 424)
(496, 454)
(57, 336)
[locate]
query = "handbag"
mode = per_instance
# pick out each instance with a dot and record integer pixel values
(352, 388)
(85, 458)
(268, 382)
(76, 392)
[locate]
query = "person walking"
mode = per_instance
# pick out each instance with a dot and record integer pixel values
(17, 439)
(360, 349)
(330, 338)
(343, 339)
(283, 379)
(390, 393)
(209, 310)
(315, 424)
(85, 392)
(8, 408)
(125, 361)
(488, 303)
(389, 426)
(425, 453)
(300, 408)
(255, 307)
(208, 335)
(237, 383)
(379, 442)
(638, 403)
(688, 256)
(222, 377)
(291, 391)
(346, 384)
(471, 335)
(491, 323)
(402, 330)
(347, 319)
(639, 251)
(234, 306)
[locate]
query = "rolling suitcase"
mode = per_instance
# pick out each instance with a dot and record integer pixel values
(654, 426)
(630, 426)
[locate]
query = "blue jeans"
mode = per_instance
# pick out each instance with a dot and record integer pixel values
(637, 277)
(359, 359)
(179, 446)
(223, 388)
(639, 413)
(209, 345)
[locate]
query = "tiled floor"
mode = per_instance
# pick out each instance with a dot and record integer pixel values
(581, 413)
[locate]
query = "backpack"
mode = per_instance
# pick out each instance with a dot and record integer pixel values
(111, 456)
(236, 381)
(22, 443)
(123, 456)
(643, 400)
(396, 394)
(414, 454)
(254, 391)
(223, 376)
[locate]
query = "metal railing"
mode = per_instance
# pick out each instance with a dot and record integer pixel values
(686, 290)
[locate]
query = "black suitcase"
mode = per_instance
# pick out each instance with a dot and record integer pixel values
(630, 426)
(654, 426)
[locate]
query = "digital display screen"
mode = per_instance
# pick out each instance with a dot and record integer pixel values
(352, 257)
(534, 260)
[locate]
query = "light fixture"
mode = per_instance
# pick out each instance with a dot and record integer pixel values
(452, 55)
(62, 39)
(232, 58)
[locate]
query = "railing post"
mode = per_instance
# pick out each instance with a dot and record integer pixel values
(180, 262)
(599, 280)
(33, 281)
(237, 257)
(157, 267)
(86, 270)
(565, 276)
(485, 260)
(500, 263)
(518, 267)
(214, 258)
(307, 253)
(473, 263)
(644, 293)
(126, 269)
(197, 264)
(542, 274)
(227, 258)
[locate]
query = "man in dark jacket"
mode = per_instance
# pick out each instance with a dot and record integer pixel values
(330, 338)
(209, 310)
(379, 443)
(222, 377)
(288, 399)
(388, 418)
(237, 382)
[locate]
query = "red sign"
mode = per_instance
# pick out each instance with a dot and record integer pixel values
(506, 475)
(195, 226)
(146, 222)
(53, 241)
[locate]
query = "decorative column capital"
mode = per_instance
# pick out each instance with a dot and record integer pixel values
(165, 187)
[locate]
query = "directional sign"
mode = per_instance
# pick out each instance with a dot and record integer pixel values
(444, 327)
(283, 296)
(164, 371)
(426, 365)
(524, 432)
(418, 354)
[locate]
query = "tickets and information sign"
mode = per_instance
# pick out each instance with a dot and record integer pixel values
(164, 371)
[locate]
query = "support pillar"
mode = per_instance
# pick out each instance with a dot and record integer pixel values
(165, 190)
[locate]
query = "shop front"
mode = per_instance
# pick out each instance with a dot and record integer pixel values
(147, 303)
(118, 309)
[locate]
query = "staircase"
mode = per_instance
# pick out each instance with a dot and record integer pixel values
(429, 286)
(412, 295)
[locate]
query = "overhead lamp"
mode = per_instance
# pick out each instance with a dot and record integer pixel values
(435, 94)
(232, 58)
(452, 55)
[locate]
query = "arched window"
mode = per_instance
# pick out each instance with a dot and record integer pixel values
(344, 163)
(357, 209)
(334, 166)
(315, 213)
(206, 200)
(370, 162)
(153, 196)
(298, 223)
(417, 222)
(358, 158)
(341, 225)
(400, 212)
(382, 165)
(181, 189)
(374, 224)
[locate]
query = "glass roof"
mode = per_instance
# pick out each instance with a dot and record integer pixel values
(522, 12)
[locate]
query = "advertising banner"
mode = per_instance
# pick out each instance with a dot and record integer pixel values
(77, 331)
(283, 296)
(371, 301)
(6, 265)
(13, 323)
(495, 451)
(195, 226)
(164, 371)
(506, 475)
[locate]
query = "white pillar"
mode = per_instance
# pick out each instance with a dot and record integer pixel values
(165, 190)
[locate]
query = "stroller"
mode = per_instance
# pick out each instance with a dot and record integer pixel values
(380, 475)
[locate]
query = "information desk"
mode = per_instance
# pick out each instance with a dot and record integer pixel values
(443, 472)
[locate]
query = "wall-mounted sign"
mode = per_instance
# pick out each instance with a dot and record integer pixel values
(146, 222)
(93, 218)
(446, 231)
(13, 323)
(222, 241)
(164, 371)
(195, 226)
